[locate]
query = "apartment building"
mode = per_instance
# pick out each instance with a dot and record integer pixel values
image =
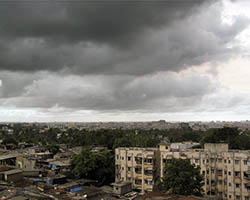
(226, 172)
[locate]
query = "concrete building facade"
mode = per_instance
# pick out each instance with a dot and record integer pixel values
(226, 172)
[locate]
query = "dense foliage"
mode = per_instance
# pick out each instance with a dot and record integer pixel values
(52, 137)
(94, 165)
(182, 178)
(233, 136)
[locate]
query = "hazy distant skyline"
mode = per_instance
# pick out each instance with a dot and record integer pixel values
(124, 60)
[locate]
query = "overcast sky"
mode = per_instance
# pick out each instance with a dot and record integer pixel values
(124, 60)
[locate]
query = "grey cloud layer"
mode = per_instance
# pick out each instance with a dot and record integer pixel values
(102, 21)
(113, 56)
(113, 38)
(110, 92)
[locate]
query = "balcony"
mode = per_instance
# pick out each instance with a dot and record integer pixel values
(219, 172)
(138, 170)
(148, 172)
(138, 160)
(246, 175)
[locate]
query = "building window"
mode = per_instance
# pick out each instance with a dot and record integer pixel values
(236, 162)
(117, 157)
(212, 171)
(207, 161)
(237, 174)
(219, 172)
(213, 183)
(148, 182)
(207, 171)
(129, 168)
(220, 182)
(245, 162)
(196, 160)
(148, 160)
(138, 160)
(229, 173)
(220, 160)
(203, 161)
(148, 172)
(225, 161)
(138, 170)
(203, 172)
(246, 197)
(229, 161)
(246, 175)
(129, 158)
(138, 181)
(237, 185)
(225, 172)
(229, 184)
(230, 196)
(122, 168)
(237, 197)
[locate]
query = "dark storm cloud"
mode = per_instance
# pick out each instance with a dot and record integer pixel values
(101, 21)
(188, 42)
(113, 56)
(104, 37)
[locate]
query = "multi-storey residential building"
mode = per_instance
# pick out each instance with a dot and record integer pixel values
(226, 172)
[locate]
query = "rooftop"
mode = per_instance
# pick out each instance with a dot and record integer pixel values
(12, 171)
(8, 156)
(121, 183)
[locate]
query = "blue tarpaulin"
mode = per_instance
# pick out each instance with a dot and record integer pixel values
(49, 182)
(76, 189)
(53, 166)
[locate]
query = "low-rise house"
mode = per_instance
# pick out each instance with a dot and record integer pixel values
(60, 165)
(56, 179)
(11, 175)
(8, 159)
(39, 153)
(31, 172)
(121, 188)
(26, 162)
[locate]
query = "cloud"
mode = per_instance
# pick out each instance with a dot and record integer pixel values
(115, 38)
(110, 58)
(99, 21)
(110, 92)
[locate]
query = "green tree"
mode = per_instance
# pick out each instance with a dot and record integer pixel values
(182, 178)
(10, 140)
(94, 165)
(233, 136)
(53, 148)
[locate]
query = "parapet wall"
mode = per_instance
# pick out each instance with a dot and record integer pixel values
(216, 147)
